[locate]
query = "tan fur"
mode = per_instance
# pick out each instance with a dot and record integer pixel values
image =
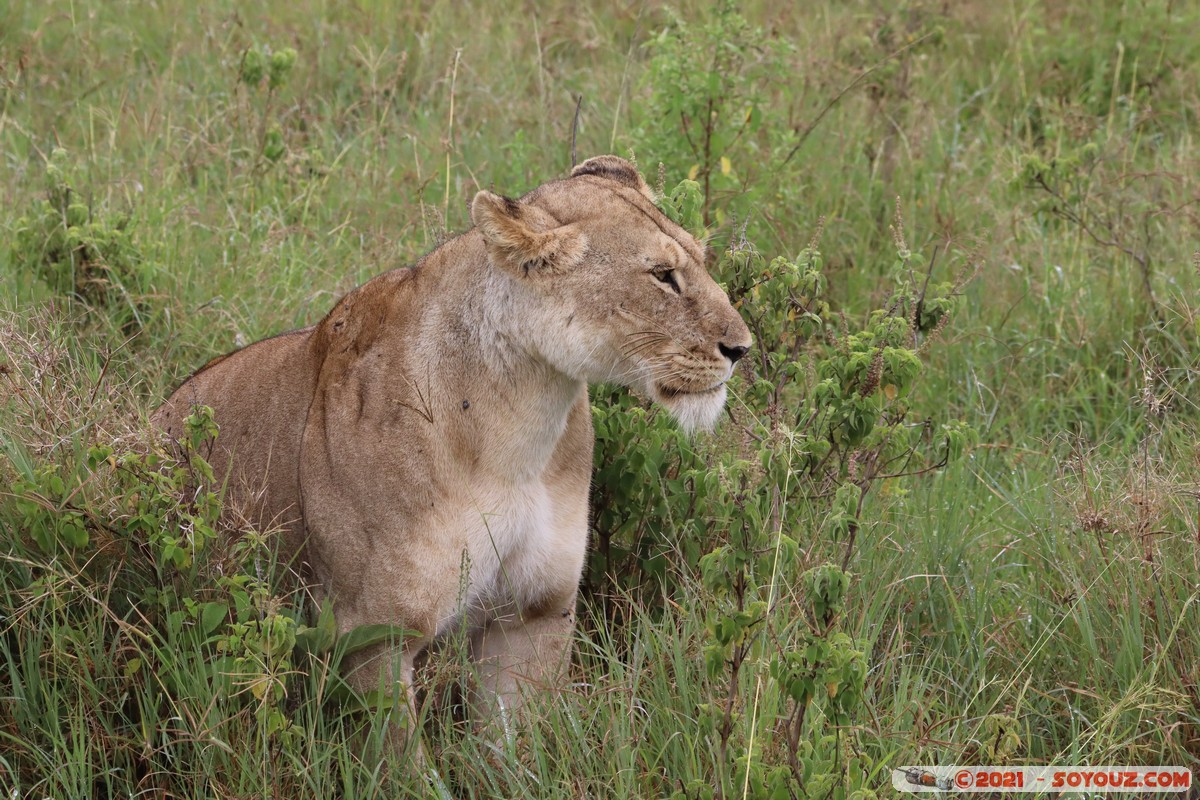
(427, 447)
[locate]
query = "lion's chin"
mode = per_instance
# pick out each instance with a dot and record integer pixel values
(694, 411)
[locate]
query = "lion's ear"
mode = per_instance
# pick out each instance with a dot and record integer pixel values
(616, 169)
(516, 238)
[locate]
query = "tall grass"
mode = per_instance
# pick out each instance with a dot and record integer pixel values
(1046, 584)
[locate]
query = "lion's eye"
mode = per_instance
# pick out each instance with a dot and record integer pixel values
(667, 275)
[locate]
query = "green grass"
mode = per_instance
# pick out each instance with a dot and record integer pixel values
(1050, 577)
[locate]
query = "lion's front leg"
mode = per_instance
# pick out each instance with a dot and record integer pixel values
(384, 675)
(518, 655)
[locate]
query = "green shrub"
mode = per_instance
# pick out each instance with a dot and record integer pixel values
(706, 81)
(819, 417)
(261, 67)
(78, 247)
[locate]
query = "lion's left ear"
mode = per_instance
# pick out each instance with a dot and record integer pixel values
(523, 239)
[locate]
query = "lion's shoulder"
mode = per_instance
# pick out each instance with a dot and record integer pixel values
(362, 315)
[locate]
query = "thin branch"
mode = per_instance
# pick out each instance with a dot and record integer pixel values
(107, 361)
(829, 106)
(575, 129)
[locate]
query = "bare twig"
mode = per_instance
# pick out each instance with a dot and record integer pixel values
(107, 361)
(450, 133)
(837, 97)
(575, 129)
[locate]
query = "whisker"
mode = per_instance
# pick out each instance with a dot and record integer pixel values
(657, 327)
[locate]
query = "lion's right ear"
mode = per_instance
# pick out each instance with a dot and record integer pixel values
(517, 238)
(614, 168)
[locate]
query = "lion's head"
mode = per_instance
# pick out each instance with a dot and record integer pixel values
(611, 289)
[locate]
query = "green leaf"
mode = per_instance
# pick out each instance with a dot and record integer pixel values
(368, 635)
(273, 144)
(253, 67)
(280, 65)
(211, 616)
(319, 639)
(72, 530)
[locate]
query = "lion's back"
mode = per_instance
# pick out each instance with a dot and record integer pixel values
(260, 397)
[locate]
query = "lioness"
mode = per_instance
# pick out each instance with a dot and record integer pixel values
(426, 448)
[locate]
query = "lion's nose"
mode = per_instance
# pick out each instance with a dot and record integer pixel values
(735, 353)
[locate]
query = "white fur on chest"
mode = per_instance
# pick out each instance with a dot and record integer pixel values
(520, 545)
